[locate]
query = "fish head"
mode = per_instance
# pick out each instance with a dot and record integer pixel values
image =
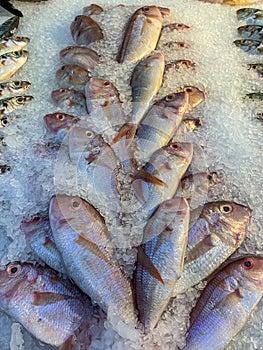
(228, 220)
(21, 100)
(63, 72)
(154, 59)
(11, 279)
(55, 122)
(153, 12)
(21, 40)
(178, 206)
(19, 84)
(60, 95)
(33, 224)
(181, 150)
(246, 44)
(99, 92)
(177, 101)
(244, 13)
(252, 270)
(196, 96)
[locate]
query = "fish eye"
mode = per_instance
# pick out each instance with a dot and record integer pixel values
(254, 66)
(106, 83)
(169, 98)
(209, 177)
(145, 9)
(63, 67)
(248, 264)
(226, 208)
(89, 134)
(179, 25)
(181, 44)
(60, 116)
(75, 204)
(189, 89)
(16, 83)
(36, 218)
(13, 269)
(4, 122)
(20, 100)
(174, 146)
(61, 90)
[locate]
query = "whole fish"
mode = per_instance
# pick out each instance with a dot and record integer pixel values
(160, 123)
(85, 30)
(166, 252)
(15, 43)
(252, 47)
(255, 96)
(218, 232)
(142, 33)
(82, 238)
(232, 2)
(10, 104)
(168, 164)
(13, 87)
(72, 75)
(251, 15)
(251, 32)
(38, 235)
(49, 307)
(4, 168)
(11, 62)
(104, 104)
(9, 27)
(92, 9)
(226, 304)
(68, 98)
(80, 56)
(258, 67)
(59, 122)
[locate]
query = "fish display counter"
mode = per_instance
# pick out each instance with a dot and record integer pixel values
(131, 175)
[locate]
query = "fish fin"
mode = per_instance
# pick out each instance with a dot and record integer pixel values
(142, 174)
(137, 187)
(68, 344)
(147, 264)
(45, 298)
(92, 247)
(230, 300)
(128, 131)
(200, 248)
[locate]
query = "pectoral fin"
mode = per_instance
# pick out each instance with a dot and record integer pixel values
(45, 298)
(147, 264)
(200, 249)
(92, 247)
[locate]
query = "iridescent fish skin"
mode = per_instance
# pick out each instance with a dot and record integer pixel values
(232, 2)
(80, 56)
(49, 307)
(15, 43)
(82, 238)
(97, 165)
(11, 62)
(104, 104)
(251, 15)
(13, 87)
(59, 121)
(168, 164)
(142, 33)
(255, 96)
(218, 232)
(258, 67)
(38, 235)
(251, 32)
(72, 75)
(147, 78)
(68, 98)
(10, 104)
(252, 47)
(226, 304)
(160, 123)
(166, 252)
(85, 30)
(9, 27)
(92, 9)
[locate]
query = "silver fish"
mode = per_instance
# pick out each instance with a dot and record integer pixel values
(252, 47)
(39, 236)
(166, 252)
(49, 307)
(251, 15)
(9, 27)
(11, 62)
(85, 30)
(13, 87)
(80, 56)
(219, 231)
(251, 32)
(15, 43)
(226, 304)
(82, 238)
(10, 104)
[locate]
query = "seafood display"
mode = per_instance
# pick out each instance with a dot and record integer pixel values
(131, 192)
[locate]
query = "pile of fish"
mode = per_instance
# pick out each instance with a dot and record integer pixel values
(232, 2)
(133, 176)
(12, 58)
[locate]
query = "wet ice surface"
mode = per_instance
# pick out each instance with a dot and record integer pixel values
(229, 141)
